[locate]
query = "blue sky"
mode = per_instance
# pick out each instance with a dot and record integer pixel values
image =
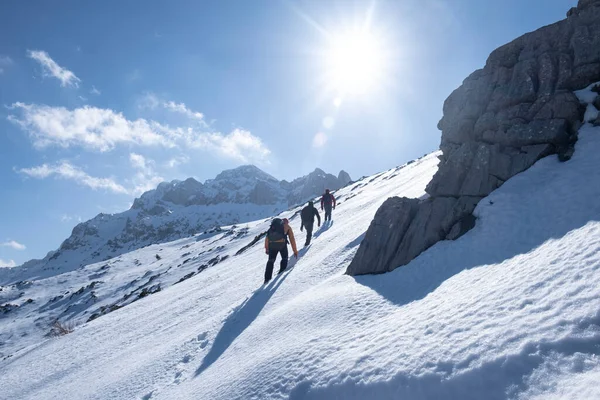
(103, 100)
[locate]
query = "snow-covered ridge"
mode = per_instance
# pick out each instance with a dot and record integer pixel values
(175, 210)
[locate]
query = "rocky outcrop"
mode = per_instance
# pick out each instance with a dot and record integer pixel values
(519, 108)
(344, 178)
(314, 184)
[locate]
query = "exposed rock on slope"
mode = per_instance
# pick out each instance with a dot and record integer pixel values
(519, 108)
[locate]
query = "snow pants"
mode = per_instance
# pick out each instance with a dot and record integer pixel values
(328, 212)
(272, 256)
(309, 231)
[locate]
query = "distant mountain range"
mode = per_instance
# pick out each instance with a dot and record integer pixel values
(180, 209)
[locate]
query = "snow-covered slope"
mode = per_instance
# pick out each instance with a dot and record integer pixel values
(511, 310)
(32, 303)
(174, 210)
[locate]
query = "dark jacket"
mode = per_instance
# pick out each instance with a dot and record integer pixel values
(327, 200)
(308, 214)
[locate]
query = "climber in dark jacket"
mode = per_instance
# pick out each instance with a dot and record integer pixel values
(327, 203)
(307, 215)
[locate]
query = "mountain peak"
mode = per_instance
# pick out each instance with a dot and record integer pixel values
(245, 172)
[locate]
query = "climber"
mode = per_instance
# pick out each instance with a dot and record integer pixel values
(276, 242)
(307, 215)
(327, 202)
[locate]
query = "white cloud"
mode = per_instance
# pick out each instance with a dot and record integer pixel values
(65, 170)
(69, 218)
(148, 101)
(143, 183)
(51, 68)
(135, 75)
(103, 129)
(151, 101)
(239, 145)
(182, 109)
(138, 161)
(5, 61)
(7, 264)
(95, 91)
(145, 179)
(320, 140)
(176, 161)
(14, 245)
(88, 127)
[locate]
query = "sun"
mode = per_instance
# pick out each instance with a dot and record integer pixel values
(355, 62)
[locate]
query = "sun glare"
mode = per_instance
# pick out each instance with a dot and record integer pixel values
(356, 62)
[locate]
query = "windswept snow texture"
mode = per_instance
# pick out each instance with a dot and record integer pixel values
(511, 310)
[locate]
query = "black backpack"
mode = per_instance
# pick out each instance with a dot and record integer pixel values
(276, 234)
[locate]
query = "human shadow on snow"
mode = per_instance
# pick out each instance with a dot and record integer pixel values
(529, 210)
(356, 241)
(240, 319)
(324, 228)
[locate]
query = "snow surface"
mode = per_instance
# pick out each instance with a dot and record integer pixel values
(511, 310)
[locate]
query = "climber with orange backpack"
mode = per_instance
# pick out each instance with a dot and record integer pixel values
(276, 242)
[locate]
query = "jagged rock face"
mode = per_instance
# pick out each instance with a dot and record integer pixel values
(583, 4)
(246, 184)
(344, 178)
(403, 227)
(519, 108)
(314, 184)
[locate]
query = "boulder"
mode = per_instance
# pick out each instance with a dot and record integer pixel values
(384, 236)
(504, 117)
(404, 228)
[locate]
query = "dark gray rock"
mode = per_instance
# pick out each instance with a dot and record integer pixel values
(596, 102)
(540, 131)
(476, 169)
(385, 234)
(404, 228)
(344, 178)
(429, 225)
(503, 118)
(582, 4)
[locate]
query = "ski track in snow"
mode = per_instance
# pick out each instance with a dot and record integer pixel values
(511, 310)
